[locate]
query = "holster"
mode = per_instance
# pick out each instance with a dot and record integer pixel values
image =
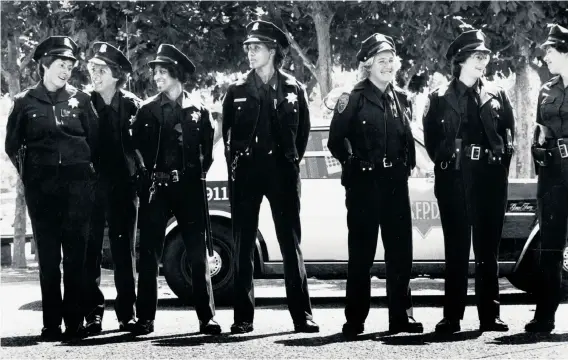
(540, 156)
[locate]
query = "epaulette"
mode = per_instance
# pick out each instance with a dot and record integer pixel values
(149, 100)
(551, 82)
(242, 79)
(22, 94)
(131, 96)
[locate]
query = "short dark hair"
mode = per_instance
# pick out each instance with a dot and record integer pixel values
(175, 72)
(119, 74)
(47, 61)
(457, 60)
(561, 48)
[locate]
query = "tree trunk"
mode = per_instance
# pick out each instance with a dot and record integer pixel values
(19, 246)
(322, 16)
(526, 93)
(298, 65)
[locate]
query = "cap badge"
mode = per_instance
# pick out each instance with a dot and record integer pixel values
(103, 48)
(255, 26)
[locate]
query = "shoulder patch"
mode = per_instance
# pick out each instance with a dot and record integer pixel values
(342, 102)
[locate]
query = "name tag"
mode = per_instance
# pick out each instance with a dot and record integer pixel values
(240, 100)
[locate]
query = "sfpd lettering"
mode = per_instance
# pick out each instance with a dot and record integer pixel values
(425, 210)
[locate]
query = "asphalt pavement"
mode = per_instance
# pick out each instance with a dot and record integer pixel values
(177, 336)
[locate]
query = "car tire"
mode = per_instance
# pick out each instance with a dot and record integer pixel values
(221, 266)
(525, 277)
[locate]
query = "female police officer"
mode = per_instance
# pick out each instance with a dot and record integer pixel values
(370, 135)
(552, 193)
(54, 124)
(465, 131)
(173, 133)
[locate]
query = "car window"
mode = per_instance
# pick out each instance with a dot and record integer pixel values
(318, 162)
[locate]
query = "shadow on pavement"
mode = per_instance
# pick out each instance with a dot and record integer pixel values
(428, 338)
(122, 338)
(20, 341)
(330, 339)
(224, 338)
(529, 338)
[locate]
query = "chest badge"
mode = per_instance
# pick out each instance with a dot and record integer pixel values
(73, 103)
(131, 120)
(195, 116)
(292, 98)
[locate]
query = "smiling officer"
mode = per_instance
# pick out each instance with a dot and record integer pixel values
(171, 132)
(51, 138)
(370, 135)
(116, 200)
(468, 130)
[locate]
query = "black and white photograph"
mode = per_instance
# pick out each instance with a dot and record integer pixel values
(371, 179)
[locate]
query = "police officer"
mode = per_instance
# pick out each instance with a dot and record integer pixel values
(266, 115)
(51, 139)
(552, 166)
(116, 200)
(468, 129)
(370, 135)
(171, 131)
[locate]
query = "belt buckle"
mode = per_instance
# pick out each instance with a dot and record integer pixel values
(562, 148)
(175, 176)
(475, 152)
(386, 163)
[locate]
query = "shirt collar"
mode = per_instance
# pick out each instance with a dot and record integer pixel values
(166, 100)
(462, 88)
(378, 91)
(273, 82)
(114, 103)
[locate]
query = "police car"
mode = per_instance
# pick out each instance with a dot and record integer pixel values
(324, 228)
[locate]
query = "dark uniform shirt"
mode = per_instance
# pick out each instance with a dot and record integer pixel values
(471, 131)
(552, 109)
(109, 131)
(393, 127)
(264, 141)
(171, 144)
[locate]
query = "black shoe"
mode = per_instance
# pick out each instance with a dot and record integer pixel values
(74, 333)
(210, 328)
(493, 325)
(410, 326)
(448, 326)
(143, 327)
(351, 330)
(241, 327)
(126, 326)
(94, 325)
(540, 326)
(51, 333)
(308, 326)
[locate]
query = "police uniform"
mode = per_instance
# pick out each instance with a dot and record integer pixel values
(468, 135)
(370, 135)
(269, 126)
(51, 139)
(116, 200)
(552, 191)
(169, 135)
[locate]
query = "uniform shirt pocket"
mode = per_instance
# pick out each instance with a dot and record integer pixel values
(70, 119)
(37, 124)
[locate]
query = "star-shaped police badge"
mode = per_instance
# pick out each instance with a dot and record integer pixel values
(255, 27)
(195, 116)
(131, 120)
(292, 98)
(73, 103)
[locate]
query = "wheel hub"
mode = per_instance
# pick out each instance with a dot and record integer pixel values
(565, 259)
(215, 263)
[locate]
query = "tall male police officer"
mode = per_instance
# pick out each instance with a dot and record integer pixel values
(266, 125)
(51, 138)
(552, 166)
(370, 135)
(116, 195)
(171, 131)
(468, 129)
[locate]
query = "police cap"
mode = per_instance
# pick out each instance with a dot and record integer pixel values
(106, 54)
(169, 54)
(375, 44)
(468, 41)
(556, 35)
(60, 46)
(260, 31)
